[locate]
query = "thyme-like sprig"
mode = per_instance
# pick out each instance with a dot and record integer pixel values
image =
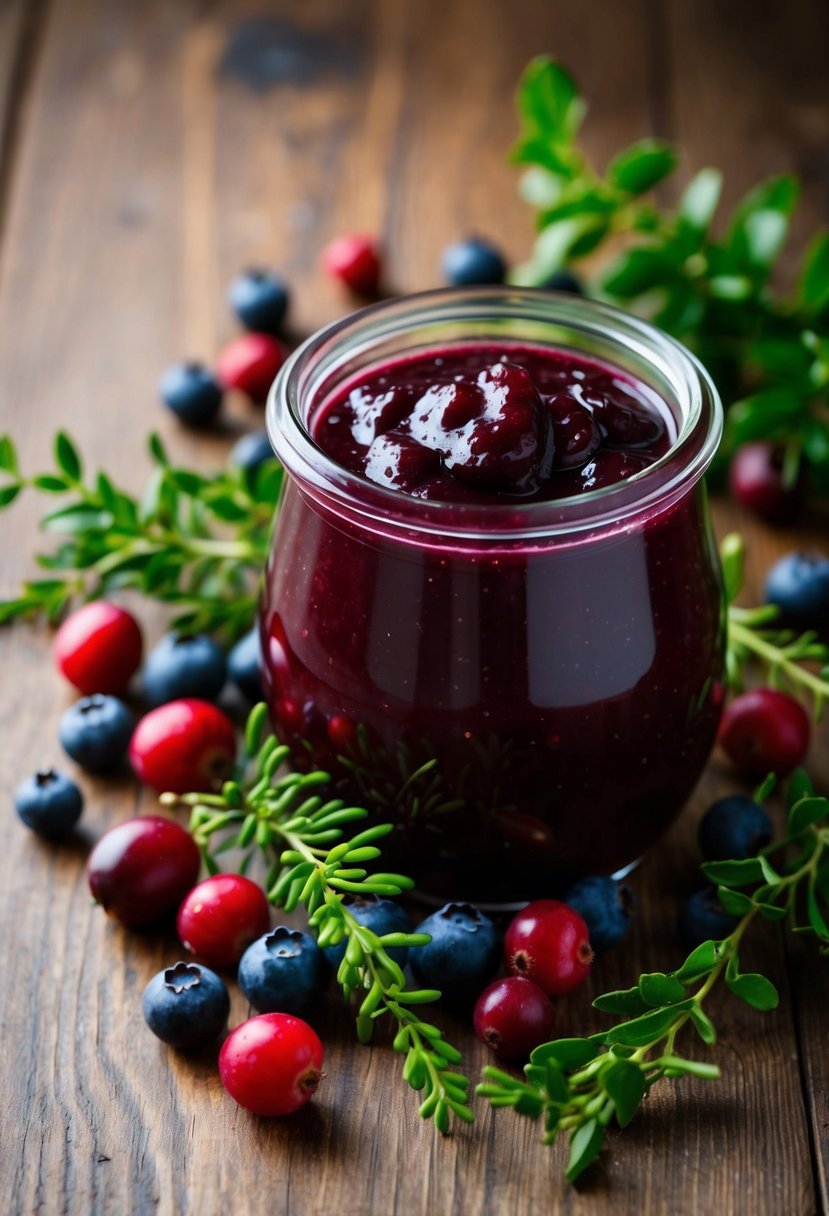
(287, 817)
(580, 1085)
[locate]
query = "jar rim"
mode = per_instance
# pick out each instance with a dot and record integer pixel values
(387, 510)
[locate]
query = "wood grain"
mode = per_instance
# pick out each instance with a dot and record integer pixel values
(165, 145)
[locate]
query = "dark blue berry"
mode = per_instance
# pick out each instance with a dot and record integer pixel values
(251, 451)
(283, 972)
(49, 803)
(605, 906)
(260, 300)
(703, 917)
(463, 954)
(799, 585)
(186, 1005)
(184, 665)
(472, 261)
(192, 393)
(96, 731)
(733, 828)
(381, 916)
(563, 280)
(244, 663)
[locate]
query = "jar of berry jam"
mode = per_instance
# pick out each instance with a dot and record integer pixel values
(493, 607)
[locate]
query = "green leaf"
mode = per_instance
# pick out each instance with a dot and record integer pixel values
(699, 200)
(736, 903)
(77, 519)
(641, 166)
(805, 811)
(769, 414)
(732, 557)
(761, 221)
(658, 989)
(755, 990)
(50, 484)
(733, 873)
(625, 1084)
(548, 100)
(639, 270)
(699, 962)
(816, 917)
(189, 483)
(67, 458)
(585, 1145)
(567, 1053)
(625, 1001)
(8, 456)
(765, 788)
(648, 1028)
(225, 506)
(814, 277)
(157, 451)
(705, 1027)
(8, 495)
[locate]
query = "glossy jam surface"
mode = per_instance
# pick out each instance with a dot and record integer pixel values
(525, 711)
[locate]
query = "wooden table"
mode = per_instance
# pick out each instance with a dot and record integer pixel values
(147, 151)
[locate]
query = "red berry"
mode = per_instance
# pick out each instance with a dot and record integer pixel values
(271, 1064)
(512, 1016)
(355, 261)
(221, 917)
(98, 648)
(757, 481)
(341, 731)
(548, 943)
(250, 364)
(764, 731)
(183, 746)
(141, 869)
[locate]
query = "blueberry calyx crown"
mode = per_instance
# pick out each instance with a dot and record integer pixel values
(45, 776)
(182, 976)
(462, 914)
(284, 942)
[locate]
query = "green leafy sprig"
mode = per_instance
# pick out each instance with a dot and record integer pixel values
(300, 832)
(579, 1086)
(769, 353)
(196, 542)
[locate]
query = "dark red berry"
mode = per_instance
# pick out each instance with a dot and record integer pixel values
(184, 746)
(355, 261)
(764, 731)
(142, 869)
(220, 918)
(398, 460)
(575, 431)
(513, 1016)
(250, 364)
(98, 648)
(341, 731)
(547, 942)
(271, 1064)
(757, 480)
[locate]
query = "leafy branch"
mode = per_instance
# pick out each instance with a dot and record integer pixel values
(287, 818)
(580, 1085)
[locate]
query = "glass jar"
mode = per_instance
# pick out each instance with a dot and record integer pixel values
(528, 692)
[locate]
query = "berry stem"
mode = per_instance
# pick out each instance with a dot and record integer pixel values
(781, 652)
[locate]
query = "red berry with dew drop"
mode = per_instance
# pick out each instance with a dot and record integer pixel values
(548, 943)
(271, 1064)
(98, 648)
(184, 746)
(220, 918)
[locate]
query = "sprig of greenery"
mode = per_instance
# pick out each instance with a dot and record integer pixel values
(196, 542)
(788, 659)
(288, 818)
(580, 1085)
(769, 353)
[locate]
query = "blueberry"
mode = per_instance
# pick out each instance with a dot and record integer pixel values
(244, 663)
(49, 803)
(381, 916)
(733, 828)
(192, 393)
(186, 1005)
(605, 906)
(260, 300)
(563, 280)
(184, 665)
(251, 451)
(96, 731)
(462, 955)
(703, 917)
(799, 585)
(472, 261)
(285, 971)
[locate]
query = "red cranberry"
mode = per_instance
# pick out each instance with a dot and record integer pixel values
(341, 731)
(220, 918)
(183, 746)
(98, 648)
(547, 942)
(756, 480)
(250, 363)
(513, 1016)
(764, 731)
(271, 1064)
(574, 430)
(355, 261)
(141, 869)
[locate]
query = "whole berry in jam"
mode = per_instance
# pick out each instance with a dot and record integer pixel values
(400, 461)
(381, 916)
(798, 584)
(271, 1064)
(764, 731)
(472, 261)
(252, 451)
(191, 392)
(220, 918)
(733, 828)
(513, 1017)
(354, 260)
(605, 906)
(49, 803)
(96, 732)
(260, 300)
(702, 918)
(184, 746)
(758, 481)
(184, 665)
(575, 431)
(463, 954)
(563, 280)
(548, 943)
(250, 364)
(284, 970)
(186, 1005)
(141, 869)
(98, 648)
(244, 664)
